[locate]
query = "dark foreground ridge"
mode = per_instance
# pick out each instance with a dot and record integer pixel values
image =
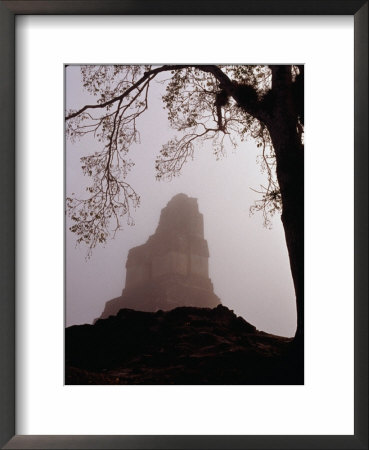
(186, 345)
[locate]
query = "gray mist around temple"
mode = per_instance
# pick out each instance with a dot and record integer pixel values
(172, 268)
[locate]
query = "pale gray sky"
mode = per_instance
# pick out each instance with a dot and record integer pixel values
(248, 263)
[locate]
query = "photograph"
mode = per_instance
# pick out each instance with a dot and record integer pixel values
(184, 224)
(176, 271)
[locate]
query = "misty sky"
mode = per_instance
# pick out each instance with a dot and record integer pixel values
(248, 263)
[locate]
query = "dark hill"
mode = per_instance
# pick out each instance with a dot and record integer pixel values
(186, 345)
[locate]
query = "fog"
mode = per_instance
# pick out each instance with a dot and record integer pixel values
(248, 263)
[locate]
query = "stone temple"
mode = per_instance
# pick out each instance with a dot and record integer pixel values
(172, 268)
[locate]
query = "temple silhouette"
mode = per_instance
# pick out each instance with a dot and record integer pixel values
(172, 268)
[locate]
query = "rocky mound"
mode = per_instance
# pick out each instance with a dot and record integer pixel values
(186, 345)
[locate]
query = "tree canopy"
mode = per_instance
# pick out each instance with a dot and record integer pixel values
(202, 104)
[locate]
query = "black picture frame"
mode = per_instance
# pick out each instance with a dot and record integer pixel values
(8, 12)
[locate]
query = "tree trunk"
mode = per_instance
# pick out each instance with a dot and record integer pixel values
(289, 151)
(280, 110)
(290, 174)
